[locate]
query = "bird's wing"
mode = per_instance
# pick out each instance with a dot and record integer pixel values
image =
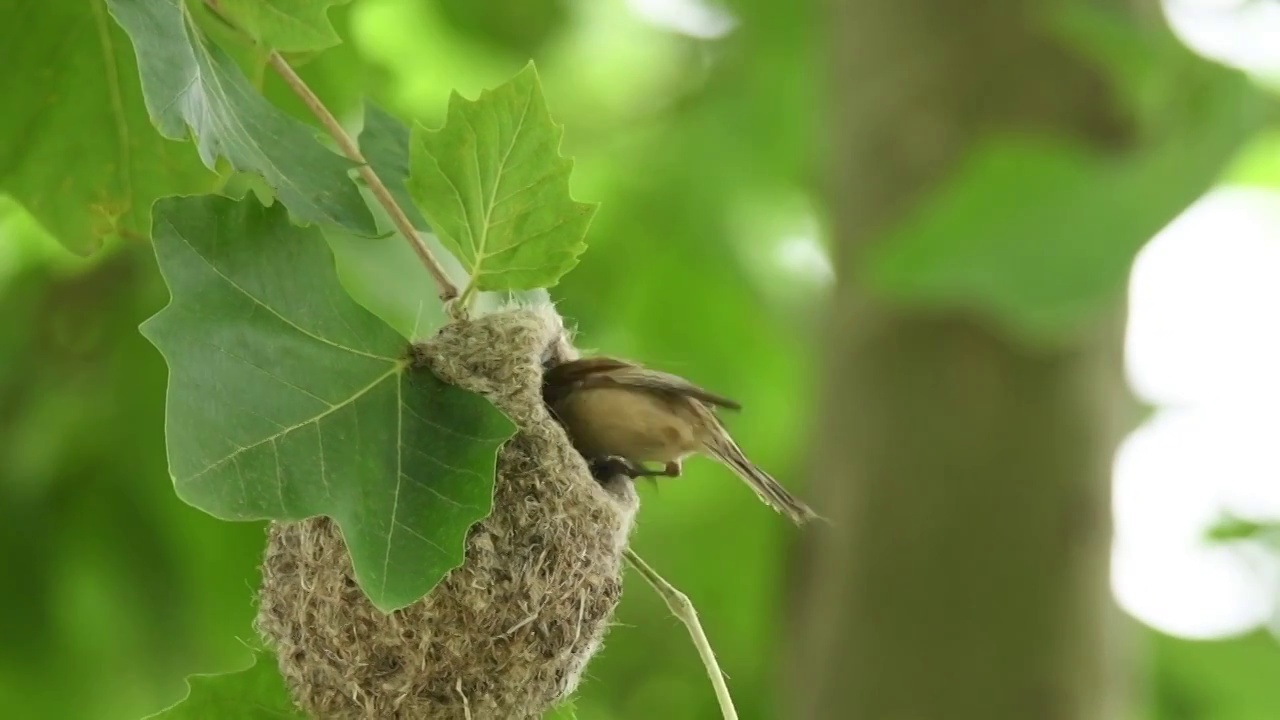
(574, 371)
(559, 380)
(609, 372)
(645, 378)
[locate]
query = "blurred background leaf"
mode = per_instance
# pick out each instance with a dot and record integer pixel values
(1256, 164)
(1041, 234)
(1233, 679)
(74, 100)
(108, 578)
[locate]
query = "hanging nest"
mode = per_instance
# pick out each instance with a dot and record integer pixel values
(505, 636)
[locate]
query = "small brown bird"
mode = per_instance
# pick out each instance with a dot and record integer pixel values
(625, 415)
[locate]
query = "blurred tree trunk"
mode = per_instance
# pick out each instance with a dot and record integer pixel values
(968, 479)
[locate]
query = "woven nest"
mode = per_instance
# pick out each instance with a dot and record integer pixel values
(505, 636)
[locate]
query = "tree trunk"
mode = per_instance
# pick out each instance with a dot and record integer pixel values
(967, 478)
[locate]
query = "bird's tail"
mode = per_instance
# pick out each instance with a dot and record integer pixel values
(724, 449)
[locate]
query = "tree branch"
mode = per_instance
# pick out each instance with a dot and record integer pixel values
(968, 577)
(447, 290)
(380, 191)
(682, 608)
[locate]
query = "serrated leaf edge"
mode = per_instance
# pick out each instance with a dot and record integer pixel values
(476, 269)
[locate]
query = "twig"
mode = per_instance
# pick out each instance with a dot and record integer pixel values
(682, 608)
(349, 148)
(380, 191)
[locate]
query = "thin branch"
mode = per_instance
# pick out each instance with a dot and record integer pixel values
(348, 146)
(682, 608)
(447, 290)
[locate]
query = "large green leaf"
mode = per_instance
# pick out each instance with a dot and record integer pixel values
(190, 83)
(1039, 232)
(288, 400)
(495, 188)
(285, 25)
(76, 148)
(257, 692)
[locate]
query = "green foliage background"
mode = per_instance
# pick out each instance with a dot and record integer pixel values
(703, 155)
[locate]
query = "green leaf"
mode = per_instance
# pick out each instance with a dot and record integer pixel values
(383, 273)
(495, 188)
(76, 148)
(191, 83)
(384, 142)
(287, 400)
(1039, 233)
(257, 691)
(285, 25)
(385, 276)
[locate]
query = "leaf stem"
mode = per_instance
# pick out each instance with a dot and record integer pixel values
(468, 292)
(683, 609)
(348, 146)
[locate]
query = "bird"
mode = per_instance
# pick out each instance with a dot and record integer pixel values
(621, 415)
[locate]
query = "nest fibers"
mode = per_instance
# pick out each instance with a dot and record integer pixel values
(505, 636)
